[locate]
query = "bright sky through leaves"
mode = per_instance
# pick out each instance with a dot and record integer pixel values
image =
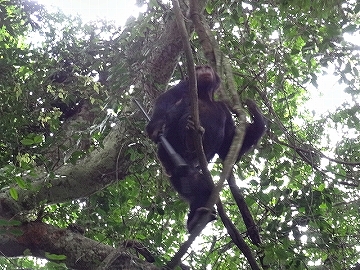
(88, 10)
(328, 96)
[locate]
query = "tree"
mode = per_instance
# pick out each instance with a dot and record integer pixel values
(80, 183)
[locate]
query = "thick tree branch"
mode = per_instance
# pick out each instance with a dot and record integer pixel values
(95, 172)
(193, 90)
(213, 53)
(245, 212)
(81, 252)
(207, 41)
(232, 155)
(236, 237)
(196, 135)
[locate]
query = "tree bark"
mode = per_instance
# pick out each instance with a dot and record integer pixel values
(99, 169)
(81, 252)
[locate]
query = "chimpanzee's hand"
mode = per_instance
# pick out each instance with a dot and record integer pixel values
(154, 129)
(191, 125)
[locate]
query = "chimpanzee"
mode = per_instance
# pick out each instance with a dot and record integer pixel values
(69, 108)
(171, 117)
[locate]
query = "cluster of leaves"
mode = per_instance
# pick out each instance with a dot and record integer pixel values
(46, 77)
(49, 65)
(305, 204)
(297, 195)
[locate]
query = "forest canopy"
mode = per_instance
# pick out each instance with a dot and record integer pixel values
(81, 186)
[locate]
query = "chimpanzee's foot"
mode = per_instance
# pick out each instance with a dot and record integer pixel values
(199, 213)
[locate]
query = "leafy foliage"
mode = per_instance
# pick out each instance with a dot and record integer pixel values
(301, 184)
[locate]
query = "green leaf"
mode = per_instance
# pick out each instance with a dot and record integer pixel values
(17, 232)
(20, 182)
(75, 156)
(357, 8)
(14, 194)
(294, 71)
(27, 141)
(160, 211)
(55, 257)
(350, 28)
(321, 187)
(281, 254)
(4, 222)
(38, 139)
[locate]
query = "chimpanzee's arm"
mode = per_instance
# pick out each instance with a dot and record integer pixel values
(253, 133)
(162, 105)
(255, 130)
